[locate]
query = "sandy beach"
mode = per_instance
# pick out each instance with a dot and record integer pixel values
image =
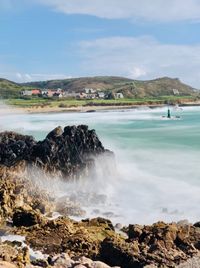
(94, 108)
(49, 109)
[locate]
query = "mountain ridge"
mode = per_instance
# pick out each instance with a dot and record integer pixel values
(129, 87)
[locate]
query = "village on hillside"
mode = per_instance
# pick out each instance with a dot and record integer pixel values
(86, 93)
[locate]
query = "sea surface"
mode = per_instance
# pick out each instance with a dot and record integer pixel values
(157, 174)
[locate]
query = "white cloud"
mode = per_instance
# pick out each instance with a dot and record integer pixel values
(38, 77)
(153, 10)
(19, 76)
(141, 58)
(137, 72)
(25, 77)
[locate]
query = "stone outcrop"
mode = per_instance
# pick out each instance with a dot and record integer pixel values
(26, 218)
(161, 244)
(14, 148)
(157, 245)
(62, 242)
(17, 192)
(69, 152)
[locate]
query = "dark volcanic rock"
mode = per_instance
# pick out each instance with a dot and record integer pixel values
(118, 253)
(70, 152)
(15, 147)
(160, 244)
(26, 218)
(65, 235)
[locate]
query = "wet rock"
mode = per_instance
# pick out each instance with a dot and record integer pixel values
(40, 263)
(69, 208)
(64, 261)
(118, 253)
(183, 222)
(197, 224)
(61, 259)
(55, 133)
(83, 260)
(16, 192)
(135, 231)
(65, 235)
(99, 264)
(159, 245)
(4, 264)
(12, 254)
(118, 226)
(70, 153)
(107, 224)
(14, 148)
(25, 218)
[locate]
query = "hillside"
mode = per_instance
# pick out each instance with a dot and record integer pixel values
(10, 89)
(130, 88)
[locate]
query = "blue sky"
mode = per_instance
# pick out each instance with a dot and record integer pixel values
(140, 39)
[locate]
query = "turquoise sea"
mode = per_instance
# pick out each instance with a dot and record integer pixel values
(157, 174)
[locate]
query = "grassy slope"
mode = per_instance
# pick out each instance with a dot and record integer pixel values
(9, 89)
(64, 103)
(130, 88)
(135, 91)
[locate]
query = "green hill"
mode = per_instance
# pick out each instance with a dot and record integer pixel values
(10, 89)
(130, 88)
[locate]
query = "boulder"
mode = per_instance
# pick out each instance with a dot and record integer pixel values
(15, 147)
(22, 217)
(4, 264)
(69, 153)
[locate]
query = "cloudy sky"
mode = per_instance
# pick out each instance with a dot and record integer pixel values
(140, 39)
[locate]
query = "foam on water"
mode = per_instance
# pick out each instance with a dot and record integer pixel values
(34, 254)
(158, 174)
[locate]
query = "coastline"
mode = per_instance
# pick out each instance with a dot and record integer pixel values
(94, 108)
(83, 109)
(53, 241)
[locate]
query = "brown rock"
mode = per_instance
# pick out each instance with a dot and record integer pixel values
(22, 217)
(4, 264)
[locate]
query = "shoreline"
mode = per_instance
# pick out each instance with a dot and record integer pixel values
(95, 108)
(84, 109)
(60, 241)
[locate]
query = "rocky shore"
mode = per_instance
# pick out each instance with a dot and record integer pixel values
(31, 235)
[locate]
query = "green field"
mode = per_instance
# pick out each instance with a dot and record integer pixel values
(65, 103)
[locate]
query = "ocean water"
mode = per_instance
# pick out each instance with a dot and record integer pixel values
(157, 175)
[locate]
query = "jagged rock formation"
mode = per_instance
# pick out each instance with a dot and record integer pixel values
(70, 152)
(62, 242)
(161, 244)
(14, 148)
(158, 245)
(17, 192)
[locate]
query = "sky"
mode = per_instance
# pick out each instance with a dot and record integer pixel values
(139, 39)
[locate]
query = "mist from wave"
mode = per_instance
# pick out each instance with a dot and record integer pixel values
(157, 175)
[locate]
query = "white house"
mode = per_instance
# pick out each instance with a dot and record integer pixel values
(70, 94)
(101, 95)
(26, 93)
(89, 90)
(44, 93)
(119, 95)
(175, 91)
